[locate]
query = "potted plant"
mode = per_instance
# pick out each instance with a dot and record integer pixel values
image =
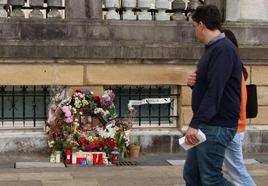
(134, 150)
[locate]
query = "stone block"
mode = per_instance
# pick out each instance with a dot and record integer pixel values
(186, 115)
(262, 92)
(23, 142)
(9, 177)
(186, 96)
(54, 3)
(21, 183)
(251, 10)
(136, 74)
(41, 75)
(98, 31)
(246, 10)
(77, 31)
(260, 75)
(25, 165)
(75, 9)
(262, 117)
(94, 9)
(97, 90)
(38, 3)
(44, 31)
(52, 175)
(17, 2)
(158, 143)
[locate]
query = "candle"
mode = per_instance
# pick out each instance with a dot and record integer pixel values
(58, 156)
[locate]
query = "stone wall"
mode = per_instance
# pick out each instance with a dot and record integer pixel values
(143, 53)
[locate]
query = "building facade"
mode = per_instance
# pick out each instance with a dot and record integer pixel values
(140, 49)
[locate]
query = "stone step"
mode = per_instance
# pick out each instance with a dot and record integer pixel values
(24, 165)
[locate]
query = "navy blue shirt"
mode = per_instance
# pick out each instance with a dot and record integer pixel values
(217, 91)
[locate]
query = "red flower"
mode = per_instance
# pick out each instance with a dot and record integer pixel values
(93, 146)
(110, 143)
(96, 99)
(83, 141)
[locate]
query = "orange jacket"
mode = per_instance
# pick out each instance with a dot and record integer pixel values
(243, 118)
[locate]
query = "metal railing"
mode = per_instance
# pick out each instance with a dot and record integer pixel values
(149, 115)
(24, 106)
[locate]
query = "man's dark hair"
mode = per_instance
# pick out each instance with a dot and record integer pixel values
(209, 15)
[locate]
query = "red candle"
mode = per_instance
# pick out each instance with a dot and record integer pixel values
(68, 156)
(114, 157)
(94, 156)
(100, 159)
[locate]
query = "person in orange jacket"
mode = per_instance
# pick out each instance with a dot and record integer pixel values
(233, 153)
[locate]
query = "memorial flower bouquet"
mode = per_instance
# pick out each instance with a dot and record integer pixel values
(88, 123)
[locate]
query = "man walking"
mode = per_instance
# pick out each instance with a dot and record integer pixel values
(215, 101)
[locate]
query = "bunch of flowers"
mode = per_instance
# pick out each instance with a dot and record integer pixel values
(103, 132)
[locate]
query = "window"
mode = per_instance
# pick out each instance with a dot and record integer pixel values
(23, 106)
(155, 115)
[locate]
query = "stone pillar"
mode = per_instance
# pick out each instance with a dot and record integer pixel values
(54, 11)
(129, 5)
(193, 4)
(94, 9)
(218, 3)
(178, 5)
(3, 12)
(36, 13)
(111, 5)
(75, 9)
(144, 5)
(237, 10)
(162, 6)
(17, 12)
(233, 10)
(254, 10)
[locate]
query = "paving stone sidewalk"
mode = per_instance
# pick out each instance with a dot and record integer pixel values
(156, 172)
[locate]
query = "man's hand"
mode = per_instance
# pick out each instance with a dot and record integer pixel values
(191, 79)
(191, 136)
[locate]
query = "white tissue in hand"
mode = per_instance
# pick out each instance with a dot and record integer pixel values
(200, 135)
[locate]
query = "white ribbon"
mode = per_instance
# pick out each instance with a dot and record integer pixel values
(152, 101)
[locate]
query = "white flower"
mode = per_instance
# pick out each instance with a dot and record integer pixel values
(84, 102)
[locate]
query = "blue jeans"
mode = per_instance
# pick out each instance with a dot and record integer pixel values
(234, 162)
(203, 166)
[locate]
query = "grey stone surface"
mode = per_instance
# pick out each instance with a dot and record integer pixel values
(62, 39)
(152, 142)
(54, 3)
(114, 176)
(22, 141)
(94, 9)
(38, 3)
(17, 2)
(75, 9)
(24, 165)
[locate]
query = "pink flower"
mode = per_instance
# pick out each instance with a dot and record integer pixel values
(69, 120)
(68, 114)
(65, 109)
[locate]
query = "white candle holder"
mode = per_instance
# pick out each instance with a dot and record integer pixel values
(58, 156)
